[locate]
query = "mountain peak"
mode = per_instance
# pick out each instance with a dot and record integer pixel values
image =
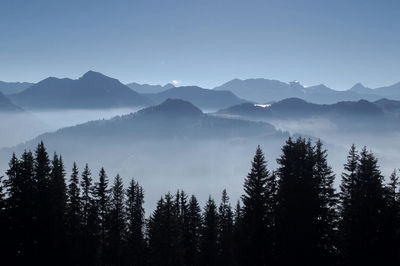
(173, 107)
(92, 74)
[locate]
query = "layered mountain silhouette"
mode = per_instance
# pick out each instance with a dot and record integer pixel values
(203, 98)
(147, 88)
(7, 106)
(172, 129)
(172, 118)
(92, 90)
(13, 87)
(379, 115)
(266, 91)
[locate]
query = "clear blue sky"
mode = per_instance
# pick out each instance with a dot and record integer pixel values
(204, 42)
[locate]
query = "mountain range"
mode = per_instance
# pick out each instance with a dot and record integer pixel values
(267, 91)
(13, 87)
(7, 106)
(92, 90)
(147, 88)
(203, 98)
(380, 115)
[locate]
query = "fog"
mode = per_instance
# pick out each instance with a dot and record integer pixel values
(17, 128)
(200, 167)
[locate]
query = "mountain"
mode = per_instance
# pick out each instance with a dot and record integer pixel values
(295, 107)
(359, 88)
(147, 88)
(265, 91)
(92, 90)
(379, 116)
(17, 125)
(203, 98)
(392, 91)
(13, 87)
(7, 106)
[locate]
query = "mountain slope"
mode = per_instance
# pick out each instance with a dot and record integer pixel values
(147, 88)
(203, 98)
(92, 90)
(13, 87)
(265, 90)
(7, 106)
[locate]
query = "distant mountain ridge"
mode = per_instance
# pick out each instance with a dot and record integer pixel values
(264, 90)
(7, 106)
(147, 88)
(92, 90)
(203, 98)
(13, 87)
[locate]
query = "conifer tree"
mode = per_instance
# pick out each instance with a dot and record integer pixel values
(225, 231)
(58, 199)
(163, 229)
(192, 236)
(328, 215)
(42, 204)
(90, 220)
(209, 235)
(102, 198)
(20, 196)
(391, 229)
(116, 236)
(74, 216)
(135, 224)
(256, 231)
(362, 210)
(298, 206)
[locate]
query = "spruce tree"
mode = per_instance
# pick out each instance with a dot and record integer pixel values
(328, 215)
(193, 230)
(116, 236)
(257, 240)
(102, 198)
(74, 216)
(209, 234)
(135, 224)
(225, 231)
(42, 203)
(90, 220)
(298, 206)
(163, 229)
(58, 199)
(362, 210)
(391, 230)
(20, 192)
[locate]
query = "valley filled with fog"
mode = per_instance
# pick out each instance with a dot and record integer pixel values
(201, 143)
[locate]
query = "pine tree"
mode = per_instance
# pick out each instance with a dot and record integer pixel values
(90, 220)
(102, 197)
(209, 235)
(256, 232)
(362, 210)
(58, 199)
(116, 236)
(135, 224)
(163, 229)
(20, 196)
(298, 206)
(192, 236)
(42, 203)
(391, 226)
(73, 217)
(328, 216)
(225, 231)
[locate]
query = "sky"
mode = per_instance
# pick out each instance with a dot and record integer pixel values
(203, 42)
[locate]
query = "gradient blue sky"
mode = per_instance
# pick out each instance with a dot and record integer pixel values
(204, 42)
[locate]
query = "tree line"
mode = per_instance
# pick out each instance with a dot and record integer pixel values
(290, 216)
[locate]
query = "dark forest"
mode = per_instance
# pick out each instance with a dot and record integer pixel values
(293, 215)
